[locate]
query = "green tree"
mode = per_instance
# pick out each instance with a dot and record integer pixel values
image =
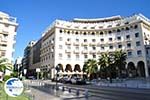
(90, 67)
(106, 64)
(5, 65)
(119, 61)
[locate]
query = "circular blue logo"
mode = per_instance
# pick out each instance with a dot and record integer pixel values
(13, 87)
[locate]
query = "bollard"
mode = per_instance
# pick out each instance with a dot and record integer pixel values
(86, 93)
(69, 90)
(57, 87)
(63, 88)
(53, 87)
(77, 93)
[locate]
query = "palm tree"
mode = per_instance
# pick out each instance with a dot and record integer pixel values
(90, 67)
(5, 65)
(119, 61)
(106, 64)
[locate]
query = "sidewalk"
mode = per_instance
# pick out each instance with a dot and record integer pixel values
(41, 91)
(129, 83)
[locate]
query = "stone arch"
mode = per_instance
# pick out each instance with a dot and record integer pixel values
(61, 67)
(77, 68)
(131, 69)
(141, 69)
(68, 68)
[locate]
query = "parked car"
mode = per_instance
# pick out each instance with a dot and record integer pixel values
(65, 80)
(80, 81)
(73, 80)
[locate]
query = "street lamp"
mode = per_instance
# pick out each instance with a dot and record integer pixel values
(38, 71)
(24, 73)
(57, 70)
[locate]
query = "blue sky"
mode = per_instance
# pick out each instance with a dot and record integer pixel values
(34, 16)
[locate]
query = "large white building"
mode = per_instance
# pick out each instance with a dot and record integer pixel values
(8, 27)
(70, 43)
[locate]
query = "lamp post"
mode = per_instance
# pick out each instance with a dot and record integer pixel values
(24, 73)
(57, 69)
(38, 71)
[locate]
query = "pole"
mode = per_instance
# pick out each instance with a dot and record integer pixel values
(56, 80)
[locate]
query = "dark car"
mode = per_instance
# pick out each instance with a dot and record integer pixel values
(80, 81)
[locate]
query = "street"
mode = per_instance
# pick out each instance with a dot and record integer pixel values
(43, 90)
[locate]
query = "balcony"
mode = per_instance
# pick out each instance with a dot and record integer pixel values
(76, 43)
(129, 48)
(93, 44)
(76, 51)
(68, 42)
(118, 41)
(101, 43)
(128, 40)
(85, 51)
(68, 51)
(92, 51)
(110, 42)
(85, 43)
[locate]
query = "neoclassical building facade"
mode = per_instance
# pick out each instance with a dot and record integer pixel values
(70, 43)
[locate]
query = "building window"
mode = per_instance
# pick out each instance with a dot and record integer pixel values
(76, 33)
(68, 46)
(110, 47)
(118, 38)
(77, 56)
(102, 40)
(136, 26)
(77, 40)
(139, 52)
(102, 48)
(110, 39)
(68, 39)
(119, 46)
(68, 56)
(128, 45)
(94, 48)
(60, 38)
(85, 48)
(84, 33)
(109, 32)
(118, 30)
(3, 45)
(138, 43)
(14, 37)
(93, 40)
(68, 32)
(127, 36)
(129, 53)
(136, 35)
(127, 29)
(60, 31)
(77, 47)
(94, 56)
(60, 55)
(101, 33)
(3, 53)
(6, 25)
(85, 40)
(93, 33)
(60, 46)
(85, 56)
